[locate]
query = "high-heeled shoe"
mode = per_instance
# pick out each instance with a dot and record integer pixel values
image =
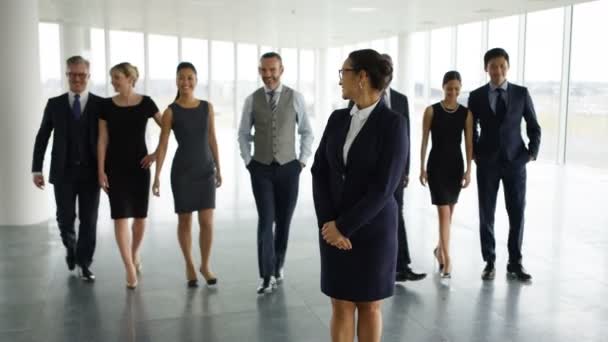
(210, 281)
(138, 268)
(436, 255)
(132, 286)
(193, 283)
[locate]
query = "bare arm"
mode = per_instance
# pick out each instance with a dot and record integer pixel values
(158, 119)
(426, 128)
(102, 146)
(161, 149)
(213, 145)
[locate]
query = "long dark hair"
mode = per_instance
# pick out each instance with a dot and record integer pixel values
(378, 68)
(181, 66)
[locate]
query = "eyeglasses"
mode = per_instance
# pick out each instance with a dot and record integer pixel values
(341, 72)
(76, 74)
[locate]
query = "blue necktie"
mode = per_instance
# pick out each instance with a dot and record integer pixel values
(76, 110)
(501, 107)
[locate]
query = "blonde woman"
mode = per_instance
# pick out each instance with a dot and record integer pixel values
(123, 162)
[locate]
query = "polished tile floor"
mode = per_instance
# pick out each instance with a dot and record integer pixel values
(565, 249)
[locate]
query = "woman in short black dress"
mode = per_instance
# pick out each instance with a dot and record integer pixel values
(124, 162)
(446, 120)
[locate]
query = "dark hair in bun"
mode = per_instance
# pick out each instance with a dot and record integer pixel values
(378, 68)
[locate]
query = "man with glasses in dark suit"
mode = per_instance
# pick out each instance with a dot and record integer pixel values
(72, 117)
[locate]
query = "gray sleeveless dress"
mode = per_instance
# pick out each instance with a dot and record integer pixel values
(193, 169)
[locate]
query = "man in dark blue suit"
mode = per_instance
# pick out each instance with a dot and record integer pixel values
(73, 119)
(501, 155)
(398, 103)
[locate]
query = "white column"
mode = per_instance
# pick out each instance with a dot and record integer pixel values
(322, 103)
(75, 40)
(21, 110)
(405, 77)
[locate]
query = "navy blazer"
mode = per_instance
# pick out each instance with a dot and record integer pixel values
(359, 195)
(400, 105)
(504, 136)
(56, 115)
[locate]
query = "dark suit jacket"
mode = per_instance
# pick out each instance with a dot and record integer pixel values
(360, 194)
(400, 105)
(56, 115)
(504, 136)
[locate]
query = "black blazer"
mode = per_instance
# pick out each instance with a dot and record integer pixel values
(360, 194)
(491, 136)
(56, 115)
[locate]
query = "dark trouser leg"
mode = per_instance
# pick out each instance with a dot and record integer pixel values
(65, 199)
(88, 205)
(263, 191)
(488, 178)
(403, 251)
(514, 183)
(285, 196)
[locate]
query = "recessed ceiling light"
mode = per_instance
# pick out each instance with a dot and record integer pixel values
(362, 9)
(485, 10)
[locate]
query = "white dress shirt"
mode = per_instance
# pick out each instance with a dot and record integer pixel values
(359, 118)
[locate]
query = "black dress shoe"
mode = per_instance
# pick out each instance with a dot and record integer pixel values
(192, 283)
(266, 285)
(489, 272)
(410, 275)
(86, 274)
(70, 258)
(517, 272)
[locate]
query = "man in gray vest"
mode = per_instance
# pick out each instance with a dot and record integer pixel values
(274, 111)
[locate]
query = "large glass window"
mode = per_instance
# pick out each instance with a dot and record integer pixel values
(469, 58)
(418, 59)
(222, 82)
(334, 63)
(307, 79)
(163, 64)
(441, 60)
(128, 46)
(290, 63)
(587, 139)
(196, 52)
(247, 72)
(504, 33)
(543, 73)
(98, 68)
(50, 65)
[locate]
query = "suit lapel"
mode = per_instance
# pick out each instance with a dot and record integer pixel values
(368, 123)
(511, 96)
(341, 138)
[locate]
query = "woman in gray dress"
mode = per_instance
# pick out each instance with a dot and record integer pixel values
(195, 172)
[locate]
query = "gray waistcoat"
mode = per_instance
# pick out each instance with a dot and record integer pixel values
(275, 133)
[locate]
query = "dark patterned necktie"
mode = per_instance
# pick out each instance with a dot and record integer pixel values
(76, 110)
(500, 107)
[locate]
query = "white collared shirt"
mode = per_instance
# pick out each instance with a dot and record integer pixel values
(84, 97)
(359, 118)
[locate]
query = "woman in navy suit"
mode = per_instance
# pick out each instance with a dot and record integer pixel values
(356, 170)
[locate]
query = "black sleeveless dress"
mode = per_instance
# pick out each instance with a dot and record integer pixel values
(445, 167)
(193, 168)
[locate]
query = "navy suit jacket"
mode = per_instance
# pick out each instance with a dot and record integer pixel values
(56, 115)
(400, 105)
(359, 194)
(491, 137)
